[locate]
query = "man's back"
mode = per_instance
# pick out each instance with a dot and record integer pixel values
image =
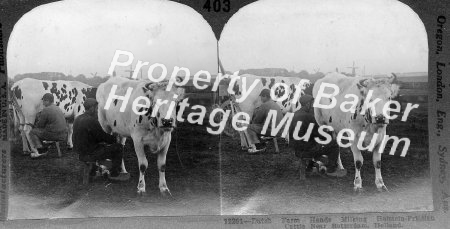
(87, 134)
(260, 114)
(52, 119)
(306, 118)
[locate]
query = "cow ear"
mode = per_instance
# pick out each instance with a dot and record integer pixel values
(148, 86)
(180, 92)
(362, 83)
(393, 78)
(362, 86)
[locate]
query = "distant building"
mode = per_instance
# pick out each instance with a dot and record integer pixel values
(265, 72)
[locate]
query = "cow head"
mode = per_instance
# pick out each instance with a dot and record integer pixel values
(163, 114)
(383, 89)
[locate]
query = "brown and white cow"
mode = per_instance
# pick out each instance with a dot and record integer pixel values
(369, 95)
(285, 94)
(148, 124)
(27, 103)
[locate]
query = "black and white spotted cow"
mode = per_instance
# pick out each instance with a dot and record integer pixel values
(252, 101)
(365, 118)
(149, 124)
(27, 96)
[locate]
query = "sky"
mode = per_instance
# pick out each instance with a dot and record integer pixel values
(380, 36)
(81, 37)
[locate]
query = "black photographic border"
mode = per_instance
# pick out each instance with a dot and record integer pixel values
(433, 13)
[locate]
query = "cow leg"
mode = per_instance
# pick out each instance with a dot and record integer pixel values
(122, 167)
(244, 139)
(25, 148)
(69, 136)
(358, 159)
(27, 130)
(23, 133)
(122, 141)
(377, 164)
(339, 162)
(162, 171)
(143, 164)
(15, 125)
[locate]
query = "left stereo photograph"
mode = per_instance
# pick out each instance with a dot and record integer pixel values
(109, 111)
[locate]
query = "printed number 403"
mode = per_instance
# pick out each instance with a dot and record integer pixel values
(217, 5)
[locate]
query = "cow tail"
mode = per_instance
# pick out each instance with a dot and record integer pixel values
(15, 105)
(17, 112)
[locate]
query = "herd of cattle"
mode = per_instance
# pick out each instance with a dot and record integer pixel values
(151, 125)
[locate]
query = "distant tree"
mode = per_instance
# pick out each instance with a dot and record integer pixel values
(70, 78)
(347, 74)
(303, 74)
(97, 80)
(81, 78)
(53, 76)
(318, 75)
(285, 73)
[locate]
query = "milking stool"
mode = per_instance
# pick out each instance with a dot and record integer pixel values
(56, 146)
(275, 142)
(87, 167)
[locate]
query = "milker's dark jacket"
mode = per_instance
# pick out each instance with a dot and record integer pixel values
(88, 134)
(52, 120)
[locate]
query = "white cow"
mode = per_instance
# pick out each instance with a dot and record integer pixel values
(151, 125)
(253, 101)
(371, 122)
(27, 102)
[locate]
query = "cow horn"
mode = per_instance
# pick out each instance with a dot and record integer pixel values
(393, 79)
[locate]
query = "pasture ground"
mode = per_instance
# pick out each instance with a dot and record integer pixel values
(49, 187)
(268, 183)
(231, 182)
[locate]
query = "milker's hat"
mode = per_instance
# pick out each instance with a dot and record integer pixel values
(265, 92)
(90, 102)
(306, 99)
(48, 97)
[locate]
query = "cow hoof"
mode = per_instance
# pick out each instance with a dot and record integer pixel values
(322, 170)
(383, 188)
(69, 148)
(358, 190)
(141, 193)
(37, 155)
(26, 153)
(166, 193)
(302, 177)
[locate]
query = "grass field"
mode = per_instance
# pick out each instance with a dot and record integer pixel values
(209, 182)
